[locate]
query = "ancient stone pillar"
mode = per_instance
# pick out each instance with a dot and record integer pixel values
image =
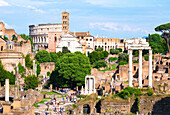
(6, 89)
(6, 105)
(150, 68)
(140, 69)
(51, 87)
(34, 68)
(77, 88)
(130, 68)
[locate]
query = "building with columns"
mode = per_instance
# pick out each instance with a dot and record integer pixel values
(46, 36)
(89, 85)
(108, 43)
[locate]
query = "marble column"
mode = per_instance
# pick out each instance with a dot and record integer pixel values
(6, 89)
(140, 69)
(130, 68)
(150, 68)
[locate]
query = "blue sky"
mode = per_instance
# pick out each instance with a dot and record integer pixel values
(111, 18)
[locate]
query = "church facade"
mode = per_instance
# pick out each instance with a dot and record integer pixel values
(70, 41)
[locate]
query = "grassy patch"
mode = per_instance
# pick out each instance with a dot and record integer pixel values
(126, 82)
(50, 93)
(108, 69)
(42, 102)
(47, 98)
(36, 106)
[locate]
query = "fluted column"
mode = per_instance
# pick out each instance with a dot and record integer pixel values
(150, 68)
(130, 68)
(140, 69)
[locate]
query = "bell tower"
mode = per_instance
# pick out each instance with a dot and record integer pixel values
(65, 22)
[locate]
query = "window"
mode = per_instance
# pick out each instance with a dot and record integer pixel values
(88, 46)
(64, 27)
(156, 77)
(1, 48)
(64, 22)
(68, 44)
(86, 39)
(168, 78)
(47, 28)
(134, 68)
(90, 39)
(55, 38)
(64, 17)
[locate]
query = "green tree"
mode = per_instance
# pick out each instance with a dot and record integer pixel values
(165, 29)
(6, 75)
(65, 50)
(43, 56)
(38, 67)
(157, 44)
(123, 57)
(48, 73)
(113, 59)
(21, 69)
(28, 62)
(71, 70)
(53, 56)
(105, 53)
(59, 54)
(99, 49)
(31, 81)
(114, 51)
(94, 56)
(120, 49)
(100, 63)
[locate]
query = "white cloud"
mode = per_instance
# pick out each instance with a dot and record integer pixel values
(32, 7)
(116, 27)
(3, 3)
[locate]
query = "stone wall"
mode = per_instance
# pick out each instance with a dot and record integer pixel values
(115, 106)
(159, 105)
(45, 67)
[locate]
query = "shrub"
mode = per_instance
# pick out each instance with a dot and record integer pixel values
(99, 49)
(114, 51)
(105, 53)
(123, 63)
(150, 92)
(100, 63)
(119, 49)
(48, 73)
(123, 94)
(113, 59)
(81, 96)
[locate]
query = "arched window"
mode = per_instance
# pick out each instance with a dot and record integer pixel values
(45, 39)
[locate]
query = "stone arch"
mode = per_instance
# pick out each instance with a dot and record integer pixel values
(86, 109)
(41, 39)
(95, 47)
(45, 39)
(6, 37)
(161, 107)
(14, 37)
